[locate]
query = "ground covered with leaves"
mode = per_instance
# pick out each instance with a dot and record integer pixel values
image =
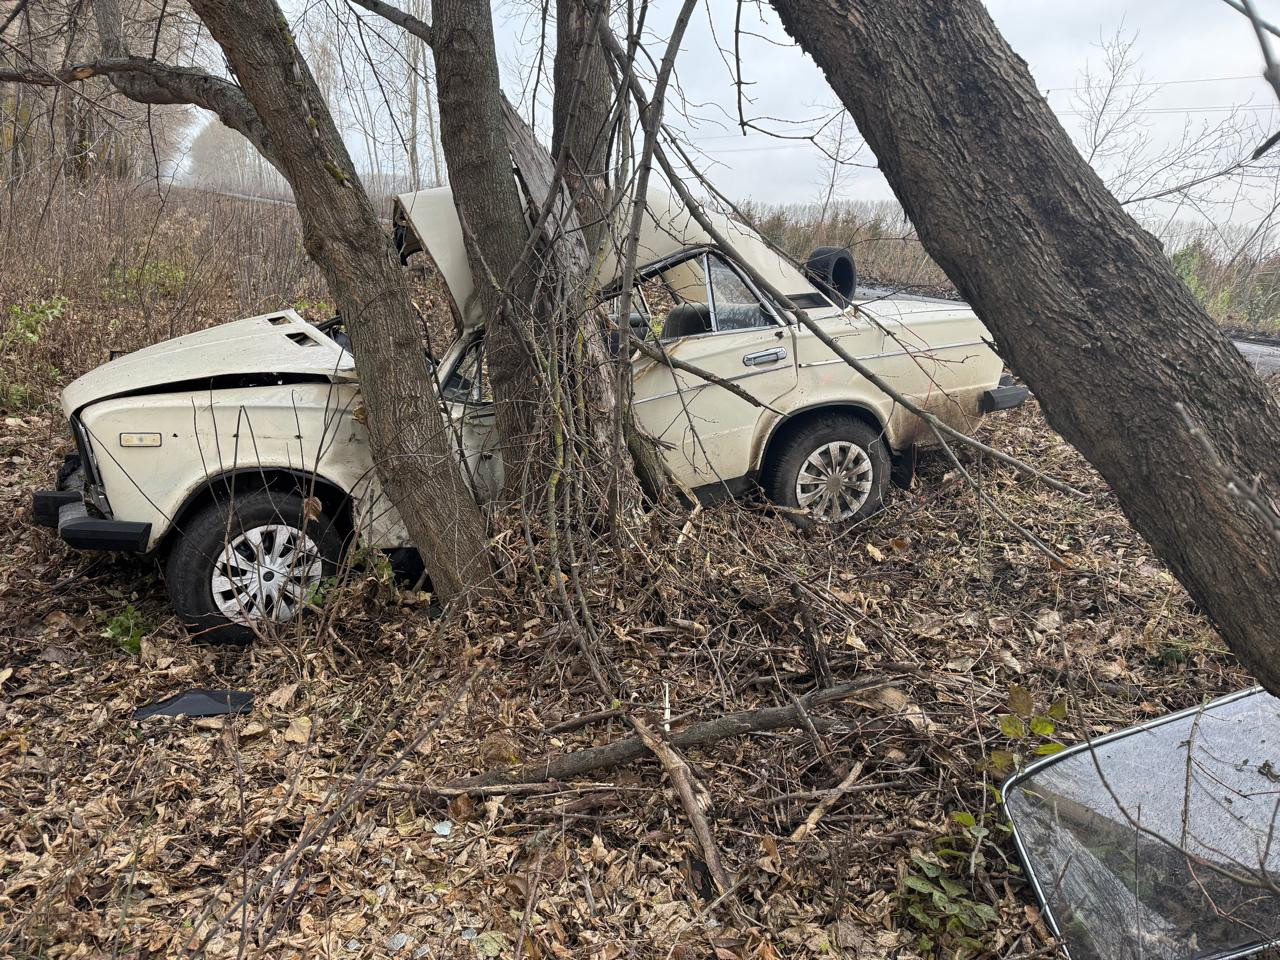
(319, 824)
(333, 819)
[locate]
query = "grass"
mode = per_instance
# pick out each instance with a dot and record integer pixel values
(1238, 283)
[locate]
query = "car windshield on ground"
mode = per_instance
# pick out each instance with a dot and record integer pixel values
(1160, 842)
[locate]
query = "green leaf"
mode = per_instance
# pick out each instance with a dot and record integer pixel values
(945, 904)
(913, 882)
(964, 817)
(1012, 727)
(917, 911)
(1042, 727)
(930, 868)
(1058, 709)
(1049, 749)
(986, 912)
(953, 888)
(1003, 760)
(1020, 701)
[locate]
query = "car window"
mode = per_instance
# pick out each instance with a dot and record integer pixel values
(735, 306)
(468, 382)
(1158, 842)
(677, 301)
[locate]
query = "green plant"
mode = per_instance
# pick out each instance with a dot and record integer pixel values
(318, 308)
(1027, 730)
(158, 277)
(27, 320)
(937, 898)
(127, 628)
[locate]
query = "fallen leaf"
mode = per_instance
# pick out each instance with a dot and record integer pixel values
(299, 730)
(279, 698)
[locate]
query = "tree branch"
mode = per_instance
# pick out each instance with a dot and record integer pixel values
(608, 755)
(419, 28)
(148, 81)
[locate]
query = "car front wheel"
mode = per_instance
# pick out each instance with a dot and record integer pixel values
(832, 469)
(256, 560)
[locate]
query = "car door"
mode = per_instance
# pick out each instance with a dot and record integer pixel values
(468, 401)
(703, 312)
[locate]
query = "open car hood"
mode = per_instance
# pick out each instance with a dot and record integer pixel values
(1159, 842)
(272, 344)
(430, 221)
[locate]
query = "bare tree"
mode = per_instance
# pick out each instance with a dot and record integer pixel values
(1081, 301)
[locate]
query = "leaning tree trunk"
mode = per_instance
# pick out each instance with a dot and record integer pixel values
(413, 450)
(478, 159)
(1082, 301)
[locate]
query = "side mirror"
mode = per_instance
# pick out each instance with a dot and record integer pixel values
(832, 270)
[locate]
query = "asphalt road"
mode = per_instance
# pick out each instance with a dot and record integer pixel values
(1265, 357)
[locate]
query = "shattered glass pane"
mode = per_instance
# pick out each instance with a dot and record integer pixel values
(1160, 843)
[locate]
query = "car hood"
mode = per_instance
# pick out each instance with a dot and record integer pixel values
(272, 344)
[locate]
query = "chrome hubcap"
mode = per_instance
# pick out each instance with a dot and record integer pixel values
(265, 573)
(835, 481)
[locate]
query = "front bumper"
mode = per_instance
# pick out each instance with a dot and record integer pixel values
(1004, 397)
(65, 510)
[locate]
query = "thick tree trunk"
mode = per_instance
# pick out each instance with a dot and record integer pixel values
(478, 158)
(1082, 302)
(583, 101)
(414, 452)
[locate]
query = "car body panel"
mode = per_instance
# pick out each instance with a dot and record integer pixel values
(666, 229)
(277, 343)
(310, 429)
(710, 431)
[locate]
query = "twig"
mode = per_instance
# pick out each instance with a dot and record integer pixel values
(826, 803)
(693, 797)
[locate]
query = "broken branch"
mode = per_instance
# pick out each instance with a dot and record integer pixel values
(618, 752)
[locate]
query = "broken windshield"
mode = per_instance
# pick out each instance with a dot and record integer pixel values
(1158, 843)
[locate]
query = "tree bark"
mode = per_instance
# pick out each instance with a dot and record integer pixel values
(1082, 302)
(413, 450)
(478, 158)
(582, 104)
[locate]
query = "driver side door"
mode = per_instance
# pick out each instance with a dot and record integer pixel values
(703, 312)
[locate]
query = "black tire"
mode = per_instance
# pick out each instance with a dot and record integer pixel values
(833, 270)
(785, 463)
(198, 552)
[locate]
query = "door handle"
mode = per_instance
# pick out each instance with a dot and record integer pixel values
(764, 356)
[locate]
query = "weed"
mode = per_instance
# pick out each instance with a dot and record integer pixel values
(937, 898)
(27, 320)
(313, 309)
(127, 628)
(1027, 730)
(158, 278)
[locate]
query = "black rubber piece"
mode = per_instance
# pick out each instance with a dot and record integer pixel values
(188, 569)
(832, 270)
(779, 479)
(199, 703)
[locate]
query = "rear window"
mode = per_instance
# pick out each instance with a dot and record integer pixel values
(1160, 842)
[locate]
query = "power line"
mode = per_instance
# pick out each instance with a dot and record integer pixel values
(1162, 83)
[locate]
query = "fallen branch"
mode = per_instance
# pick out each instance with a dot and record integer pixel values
(693, 797)
(826, 803)
(605, 756)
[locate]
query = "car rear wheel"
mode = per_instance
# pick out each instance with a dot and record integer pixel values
(256, 560)
(832, 469)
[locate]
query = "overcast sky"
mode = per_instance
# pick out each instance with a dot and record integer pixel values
(1186, 48)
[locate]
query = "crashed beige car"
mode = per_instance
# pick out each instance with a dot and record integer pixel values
(203, 450)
